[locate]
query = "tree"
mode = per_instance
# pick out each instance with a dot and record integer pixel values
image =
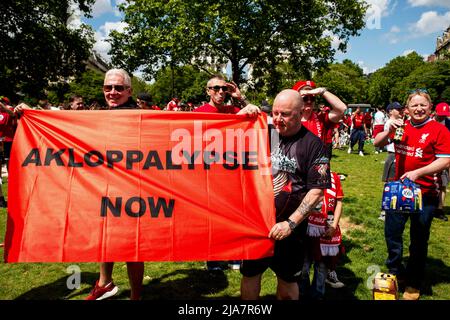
(188, 81)
(346, 80)
(88, 85)
(434, 77)
(37, 45)
(383, 81)
(246, 33)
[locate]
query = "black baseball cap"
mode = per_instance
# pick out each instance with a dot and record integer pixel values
(394, 105)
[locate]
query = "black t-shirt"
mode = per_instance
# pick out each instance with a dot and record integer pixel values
(129, 104)
(299, 163)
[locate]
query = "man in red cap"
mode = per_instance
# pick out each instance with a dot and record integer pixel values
(443, 116)
(319, 123)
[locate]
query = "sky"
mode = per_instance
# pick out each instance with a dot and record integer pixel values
(393, 28)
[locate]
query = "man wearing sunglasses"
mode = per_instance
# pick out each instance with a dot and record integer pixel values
(319, 123)
(217, 89)
(117, 92)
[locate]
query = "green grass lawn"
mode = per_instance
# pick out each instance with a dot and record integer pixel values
(364, 243)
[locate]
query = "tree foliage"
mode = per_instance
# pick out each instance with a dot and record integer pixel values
(434, 77)
(37, 45)
(209, 33)
(346, 80)
(89, 85)
(188, 83)
(384, 80)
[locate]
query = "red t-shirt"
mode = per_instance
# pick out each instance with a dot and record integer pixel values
(329, 132)
(421, 145)
(348, 120)
(328, 204)
(172, 106)
(8, 125)
(357, 120)
(225, 109)
(368, 119)
(319, 124)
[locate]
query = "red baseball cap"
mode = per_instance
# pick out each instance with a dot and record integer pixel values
(304, 83)
(442, 109)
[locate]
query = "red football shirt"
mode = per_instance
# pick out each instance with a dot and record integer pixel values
(8, 125)
(421, 145)
(319, 124)
(357, 120)
(225, 109)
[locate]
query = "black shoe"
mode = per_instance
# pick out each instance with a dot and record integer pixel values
(3, 204)
(439, 214)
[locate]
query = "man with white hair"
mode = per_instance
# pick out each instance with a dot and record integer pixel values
(117, 91)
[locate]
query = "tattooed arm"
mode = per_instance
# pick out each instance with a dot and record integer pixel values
(281, 230)
(309, 202)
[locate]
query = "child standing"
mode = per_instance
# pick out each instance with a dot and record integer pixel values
(323, 243)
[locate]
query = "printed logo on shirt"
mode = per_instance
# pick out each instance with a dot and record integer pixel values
(418, 153)
(424, 137)
(282, 162)
(322, 169)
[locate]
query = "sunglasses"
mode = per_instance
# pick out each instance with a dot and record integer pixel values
(308, 98)
(421, 90)
(118, 88)
(217, 88)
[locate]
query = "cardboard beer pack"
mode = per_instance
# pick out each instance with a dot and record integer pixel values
(385, 287)
(402, 195)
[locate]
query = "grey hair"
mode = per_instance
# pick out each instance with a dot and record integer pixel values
(122, 73)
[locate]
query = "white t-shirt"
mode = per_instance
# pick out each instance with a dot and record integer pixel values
(390, 147)
(379, 118)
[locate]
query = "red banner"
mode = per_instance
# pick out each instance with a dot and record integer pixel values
(134, 185)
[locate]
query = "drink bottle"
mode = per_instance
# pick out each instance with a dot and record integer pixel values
(399, 134)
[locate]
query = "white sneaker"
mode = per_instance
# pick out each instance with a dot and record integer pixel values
(382, 216)
(361, 154)
(349, 150)
(376, 152)
(333, 280)
(235, 265)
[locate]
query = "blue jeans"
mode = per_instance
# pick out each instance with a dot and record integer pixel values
(316, 289)
(418, 249)
(358, 136)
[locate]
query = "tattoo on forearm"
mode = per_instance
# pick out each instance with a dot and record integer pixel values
(305, 208)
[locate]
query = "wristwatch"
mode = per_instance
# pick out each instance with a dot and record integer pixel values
(292, 224)
(323, 91)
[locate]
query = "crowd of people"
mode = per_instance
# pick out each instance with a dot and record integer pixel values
(308, 193)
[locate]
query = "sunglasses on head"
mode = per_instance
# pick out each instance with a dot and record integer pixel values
(421, 90)
(118, 88)
(217, 88)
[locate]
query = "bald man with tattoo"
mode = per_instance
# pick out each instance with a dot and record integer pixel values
(301, 172)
